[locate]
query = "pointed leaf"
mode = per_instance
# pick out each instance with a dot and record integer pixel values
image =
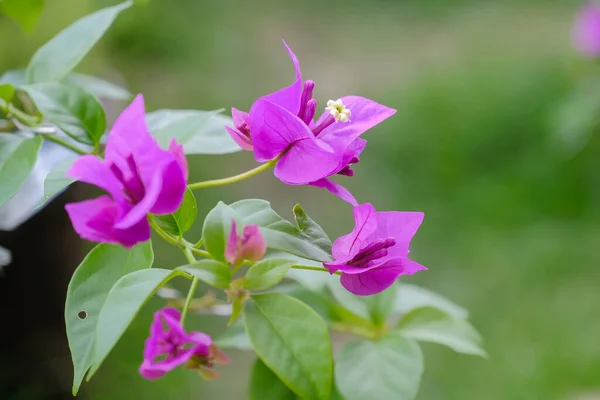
(17, 159)
(265, 385)
(200, 132)
(279, 233)
(266, 273)
(181, 220)
(389, 368)
(98, 87)
(433, 325)
(410, 297)
(293, 341)
(76, 112)
(122, 304)
(311, 230)
(57, 180)
(216, 229)
(54, 60)
(25, 12)
(212, 272)
(87, 292)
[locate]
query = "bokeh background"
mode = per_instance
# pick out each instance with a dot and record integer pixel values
(495, 140)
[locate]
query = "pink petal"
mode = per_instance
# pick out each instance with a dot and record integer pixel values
(365, 115)
(239, 117)
(336, 189)
(253, 246)
(402, 226)
(345, 247)
(289, 97)
(232, 244)
(149, 371)
(95, 220)
(177, 150)
(128, 132)
(90, 169)
(306, 161)
(238, 137)
(274, 129)
(379, 279)
(586, 33)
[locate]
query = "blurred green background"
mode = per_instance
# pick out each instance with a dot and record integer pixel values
(509, 181)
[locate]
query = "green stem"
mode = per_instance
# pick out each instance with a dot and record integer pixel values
(199, 252)
(233, 179)
(165, 235)
(63, 143)
(311, 268)
(191, 259)
(29, 120)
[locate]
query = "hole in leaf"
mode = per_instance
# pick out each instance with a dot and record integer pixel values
(82, 315)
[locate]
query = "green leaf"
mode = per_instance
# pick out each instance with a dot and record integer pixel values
(200, 132)
(87, 292)
(17, 158)
(76, 112)
(311, 230)
(7, 91)
(54, 60)
(181, 220)
(216, 229)
(98, 87)
(304, 241)
(234, 337)
(293, 341)
(389, 368)
(237, 306)
(25, 12)
(433, 325)
(212, 272)
(265, 385)
(123, 303)
(347, 300)
(266, 273)
(57, 179)
(410, 297)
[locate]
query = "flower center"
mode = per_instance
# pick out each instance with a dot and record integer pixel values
(373, 251)
(133, 186)
(338, 110)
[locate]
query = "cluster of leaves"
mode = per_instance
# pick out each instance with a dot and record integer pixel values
(284, 315)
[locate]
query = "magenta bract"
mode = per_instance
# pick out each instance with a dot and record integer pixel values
(249, 246)
(375, 253)
(139, 177)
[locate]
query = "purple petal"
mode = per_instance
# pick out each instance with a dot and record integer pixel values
(289, 97)
(177, 150)
(95, 220)
(401, 226)
(274, 129)
(253, 247)
(238, 137)
(365, 115)
(345, 247)
(149, 371)
(239, 117)
(378, 279)
(336, 189)
(307, 161)
(90, 169)
(128, 132)
(586, 33)
(232, 243)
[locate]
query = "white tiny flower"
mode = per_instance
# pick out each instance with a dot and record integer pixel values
(338, 110)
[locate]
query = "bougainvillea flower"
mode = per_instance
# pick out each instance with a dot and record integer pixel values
(249, 246)
(375, 253)
(280, 125)
(139, 177)
(169, 346)
(586, 33)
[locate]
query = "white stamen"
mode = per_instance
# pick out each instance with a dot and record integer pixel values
(338, 110)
